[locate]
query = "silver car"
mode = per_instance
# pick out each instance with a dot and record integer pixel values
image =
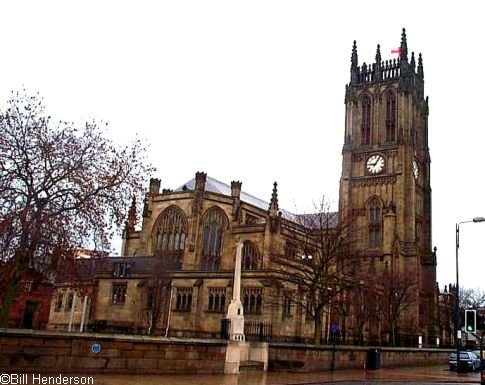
(468, 360)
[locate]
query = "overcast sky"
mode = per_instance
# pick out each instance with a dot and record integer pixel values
(254, 91)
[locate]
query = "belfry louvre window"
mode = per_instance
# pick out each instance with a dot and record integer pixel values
(183, 299)
(391, 117)
(217, 299)
(366, 121)
(251, 259)
(252, 300)
(375, 224)
(118, 295)
(214, 224)
(171, 233)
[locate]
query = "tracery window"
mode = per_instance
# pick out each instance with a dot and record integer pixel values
(217, 299)
(213, 227)
(118, 295)
(366, 121)
(291, 250)
(171, 233)
(251, 259)
(391, 117)
(121, 269)
(183, 299)
(252, 300)
(375, 223)
(69, 302)
(59, 299)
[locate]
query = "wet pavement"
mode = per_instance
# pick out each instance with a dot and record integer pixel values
(413, 375)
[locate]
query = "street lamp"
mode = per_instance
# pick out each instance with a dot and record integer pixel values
(457, 293)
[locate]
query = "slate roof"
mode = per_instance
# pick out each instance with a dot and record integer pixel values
(215, 186)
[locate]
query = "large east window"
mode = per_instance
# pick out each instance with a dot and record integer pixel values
(214, 224)
(171, 233)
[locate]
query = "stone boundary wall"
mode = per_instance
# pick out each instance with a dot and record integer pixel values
(311, 358)
(62, 352)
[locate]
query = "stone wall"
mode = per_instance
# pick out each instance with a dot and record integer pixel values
(311, 358)
(62, 352)
(72, 352)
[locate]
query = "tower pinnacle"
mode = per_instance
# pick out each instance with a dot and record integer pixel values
(378, 55)
(404, 46)
(354, 60)
(420, 66)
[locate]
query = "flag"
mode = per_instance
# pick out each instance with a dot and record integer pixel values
(398, 51)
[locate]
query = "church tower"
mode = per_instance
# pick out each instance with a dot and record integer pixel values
(385, 192)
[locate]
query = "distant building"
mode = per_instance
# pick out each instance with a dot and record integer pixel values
(30, 307)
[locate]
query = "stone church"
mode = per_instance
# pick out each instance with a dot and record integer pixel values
(175, 276)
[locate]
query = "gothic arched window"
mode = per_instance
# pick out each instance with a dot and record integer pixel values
(170, 234)
(252, 300)
(213, 226)
(251, 259)
(366, 121)
(391, 117)
(375, 223)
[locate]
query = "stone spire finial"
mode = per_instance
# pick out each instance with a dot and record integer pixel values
(132, 215)
(378, 55)
(420, 66)
(273, 205)
(354, 60)
(404, 46)
(413, 62)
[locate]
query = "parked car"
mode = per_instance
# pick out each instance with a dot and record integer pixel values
(468, 360)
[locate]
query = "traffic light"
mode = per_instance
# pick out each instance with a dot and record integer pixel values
(471, 321)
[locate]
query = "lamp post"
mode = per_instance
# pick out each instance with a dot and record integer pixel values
(457, 293)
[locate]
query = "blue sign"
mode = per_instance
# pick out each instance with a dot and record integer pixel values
(334, 329)
(96, 348)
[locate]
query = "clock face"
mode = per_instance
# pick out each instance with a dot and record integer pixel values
(375, 164)
(415, 169)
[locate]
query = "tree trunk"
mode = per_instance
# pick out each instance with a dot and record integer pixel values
(317, 334)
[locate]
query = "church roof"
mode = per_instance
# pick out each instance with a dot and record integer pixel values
(215, 186)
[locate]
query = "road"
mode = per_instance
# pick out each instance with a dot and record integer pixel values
(395, 376)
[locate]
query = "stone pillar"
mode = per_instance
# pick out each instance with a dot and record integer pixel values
(235, 313)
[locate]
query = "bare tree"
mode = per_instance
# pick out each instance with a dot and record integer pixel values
(395, 293)
(472, 298)
(61, 188)
(158, 291)
(323, 269)
(363, 294)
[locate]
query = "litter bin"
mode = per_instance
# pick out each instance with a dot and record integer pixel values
(373, 359)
